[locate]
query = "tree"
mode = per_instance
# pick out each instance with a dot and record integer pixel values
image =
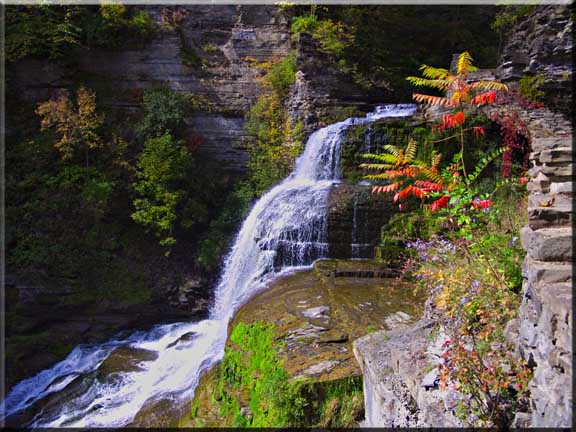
(76, 124)
(161, 172)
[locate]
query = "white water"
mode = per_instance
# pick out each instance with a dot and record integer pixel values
(286, 229)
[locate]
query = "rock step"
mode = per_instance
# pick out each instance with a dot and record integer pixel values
(548, 244)
(547, 144)
(548, 217)
(546, 272)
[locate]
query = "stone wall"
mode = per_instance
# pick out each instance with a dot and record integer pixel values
(545, 317)
(543, 44)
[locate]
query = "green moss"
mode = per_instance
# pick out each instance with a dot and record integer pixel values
(530, 88)
(276, 140)
(252, 389)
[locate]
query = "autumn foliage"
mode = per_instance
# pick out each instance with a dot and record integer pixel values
(407, 176)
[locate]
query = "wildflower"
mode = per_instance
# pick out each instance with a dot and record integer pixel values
(475, 284)
(481, 204)
(523, 180)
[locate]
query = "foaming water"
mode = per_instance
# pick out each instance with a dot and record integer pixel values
(285, 230)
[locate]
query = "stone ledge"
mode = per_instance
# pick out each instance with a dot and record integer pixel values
(541, 144)
(396, 365)
(548, 244)
(548, 217)
(547, 272)
(563, 154)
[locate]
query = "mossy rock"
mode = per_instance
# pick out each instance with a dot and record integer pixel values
(314, 318)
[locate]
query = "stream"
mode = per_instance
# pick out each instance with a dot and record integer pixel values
(109, 384)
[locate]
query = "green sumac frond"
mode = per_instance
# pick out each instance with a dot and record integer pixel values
(432, 83)
(411, 150)
(434, 73)
(483, 163)
(465, 64)
(392, 149)
(384, 157)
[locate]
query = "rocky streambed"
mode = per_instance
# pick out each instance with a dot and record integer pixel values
(317, 314)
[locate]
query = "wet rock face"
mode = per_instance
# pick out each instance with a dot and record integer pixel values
(322, 89)
(319, 316)
(542, 44)
(355, 217)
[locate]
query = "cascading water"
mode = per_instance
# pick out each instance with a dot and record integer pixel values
(285, 229)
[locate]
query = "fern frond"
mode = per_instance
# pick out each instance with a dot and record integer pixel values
(377, 177)
(484, 162)
(392, 149)
(489, 85)
(411, 150)
(433, 176)
(436, 158)
(465, 64)
(432, 83)
(434, 73)
(383, 157)
(375, 166)
(432, 100)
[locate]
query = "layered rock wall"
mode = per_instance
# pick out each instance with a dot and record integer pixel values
(543, 44)
(210, 54)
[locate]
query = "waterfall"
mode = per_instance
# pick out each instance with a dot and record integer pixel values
(286, 229)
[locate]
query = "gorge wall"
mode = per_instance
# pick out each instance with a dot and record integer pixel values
(211, 53)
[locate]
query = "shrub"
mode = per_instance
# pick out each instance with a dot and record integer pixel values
(332, 36)
(276, 140)
(161, 170)
(75, 123)
(164, 112)
(530, 88)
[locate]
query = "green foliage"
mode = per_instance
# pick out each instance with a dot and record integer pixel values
(54, 31)
(223, 227)
(280, 75)
(252, 366)
(251, 376)
(277, 141)
(164, 112)
(475, 278)
(41, 31)
(303, 24)
(390, 42)
(333, 36)
(530, 88)
(162, 168)
(509, 15)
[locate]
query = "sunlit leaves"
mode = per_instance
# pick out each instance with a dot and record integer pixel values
(75, 123)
